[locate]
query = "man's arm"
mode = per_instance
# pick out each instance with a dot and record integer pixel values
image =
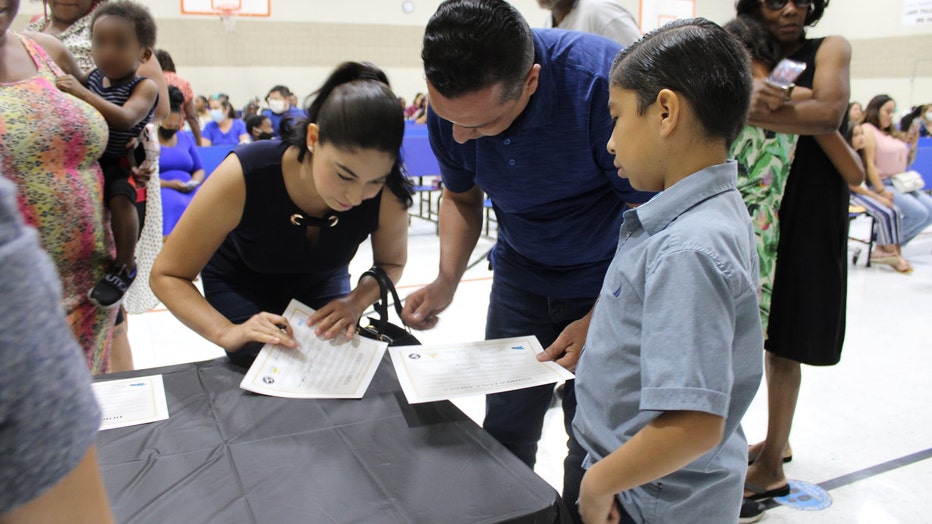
(460, 226)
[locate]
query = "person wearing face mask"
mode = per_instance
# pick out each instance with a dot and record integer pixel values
(179, 164)
(223, 127)
(259, 127)
(280, 109)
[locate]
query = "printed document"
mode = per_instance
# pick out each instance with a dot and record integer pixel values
(317, 368)
(131, 401)
(441, 372)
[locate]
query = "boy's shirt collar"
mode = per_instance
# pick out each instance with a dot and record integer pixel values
(655, 215)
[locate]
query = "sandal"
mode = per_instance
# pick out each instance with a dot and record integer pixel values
(902, 266)
(884, 257)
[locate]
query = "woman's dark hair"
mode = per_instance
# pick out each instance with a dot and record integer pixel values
(756, 39)
(698, 60)
(253, 122)
(752, 8)
(165, 60)
(175, 99)
(356, 109)
(907, 119)
(138, 14)
(872, 113)
(470, 45)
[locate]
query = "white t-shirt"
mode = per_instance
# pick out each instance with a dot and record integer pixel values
(601, 17)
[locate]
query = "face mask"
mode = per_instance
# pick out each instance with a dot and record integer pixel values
(929, 116)
(265, 136)
(167, 133)
(277, 106)
(217, 115)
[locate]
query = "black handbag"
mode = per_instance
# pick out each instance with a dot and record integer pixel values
(380, 328)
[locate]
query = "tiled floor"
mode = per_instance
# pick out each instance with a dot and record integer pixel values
(870, 414)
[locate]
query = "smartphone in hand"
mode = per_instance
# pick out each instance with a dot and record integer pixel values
(786, 73)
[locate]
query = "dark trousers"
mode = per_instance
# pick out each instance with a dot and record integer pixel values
(516, 418)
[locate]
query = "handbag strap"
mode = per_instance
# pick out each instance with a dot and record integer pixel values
(386, 287)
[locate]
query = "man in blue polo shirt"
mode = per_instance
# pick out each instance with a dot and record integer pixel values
(521, 115)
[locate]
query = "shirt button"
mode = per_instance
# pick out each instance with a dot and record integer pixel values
(511, 162)
(507, 142)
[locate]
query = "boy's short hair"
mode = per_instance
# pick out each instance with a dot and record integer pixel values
(138, 14)
(470, 45)
(698, 60)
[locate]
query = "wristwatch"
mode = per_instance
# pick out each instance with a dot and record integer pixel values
(788, 92)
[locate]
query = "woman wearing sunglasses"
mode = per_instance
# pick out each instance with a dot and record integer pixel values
(807, 312)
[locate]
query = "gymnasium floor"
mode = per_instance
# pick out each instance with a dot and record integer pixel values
(863, 429)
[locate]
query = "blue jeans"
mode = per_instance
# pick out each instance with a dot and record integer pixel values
(516, 418)
(916, 208)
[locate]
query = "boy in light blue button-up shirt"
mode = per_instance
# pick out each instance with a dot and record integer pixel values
(674, 351)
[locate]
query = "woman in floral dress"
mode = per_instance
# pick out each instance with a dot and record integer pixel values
(49, 145)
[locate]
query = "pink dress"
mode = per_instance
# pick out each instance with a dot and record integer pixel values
(49, 145)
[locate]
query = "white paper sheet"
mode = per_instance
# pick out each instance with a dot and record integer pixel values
(317, 368)
(441, 372)
(131, 401)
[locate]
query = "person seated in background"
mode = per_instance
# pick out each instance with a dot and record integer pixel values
(666, 445)
(855, 112)
(887, 152)
(48, 416)
(417, 108)
(599, 17)
(259, 127)
(878, 204)
(202, 108)
(250, 109)
(416, 104)
(920, 118)
(179, 165)
(224, 128)
(188, 112)
(282, 108)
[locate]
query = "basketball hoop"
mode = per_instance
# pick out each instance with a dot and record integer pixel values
(228, 10)
(229, 19)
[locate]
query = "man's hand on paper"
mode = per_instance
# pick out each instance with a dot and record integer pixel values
(263, 327)
(568, 347)
(338, 316)
(423, 306)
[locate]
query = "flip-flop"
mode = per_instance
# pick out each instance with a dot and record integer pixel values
(786, 458)
(760, 494)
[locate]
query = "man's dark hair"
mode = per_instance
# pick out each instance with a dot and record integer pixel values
(138, 14)
(752, 8)
(471, 45)
(698, 60)
(285, 92)
(165, 60)
(356, 109)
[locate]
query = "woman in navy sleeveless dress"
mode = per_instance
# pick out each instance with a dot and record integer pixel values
(282, 219)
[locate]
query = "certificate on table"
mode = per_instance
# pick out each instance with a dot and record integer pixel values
(317, 368)
(131, 401)
(441, 372)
